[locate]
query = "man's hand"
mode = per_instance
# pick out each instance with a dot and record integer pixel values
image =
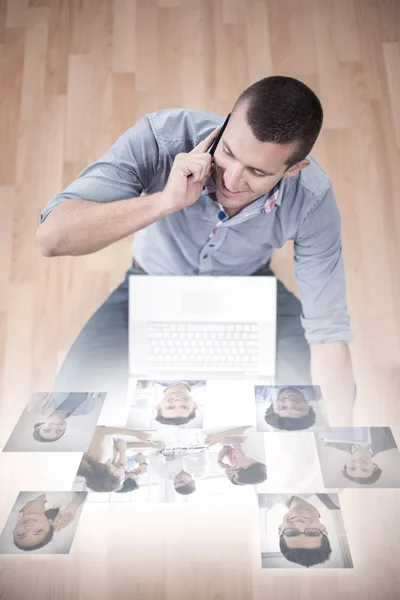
(189, 173)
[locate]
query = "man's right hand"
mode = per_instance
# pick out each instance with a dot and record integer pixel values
(189, 173)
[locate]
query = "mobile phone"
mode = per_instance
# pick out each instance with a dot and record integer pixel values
(214, 145)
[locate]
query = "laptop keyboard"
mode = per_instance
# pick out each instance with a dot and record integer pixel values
(200, 344)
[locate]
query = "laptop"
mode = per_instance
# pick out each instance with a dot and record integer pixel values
(202, 327)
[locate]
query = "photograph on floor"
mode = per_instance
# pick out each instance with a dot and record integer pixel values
(158, 404)
(302, 530)
(113, 460)
(293, 463)
(56, 422)
(289, 408)
(356, 457)
(173, 465)
(42, 523)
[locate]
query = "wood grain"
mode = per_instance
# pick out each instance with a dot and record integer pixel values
(75, 74)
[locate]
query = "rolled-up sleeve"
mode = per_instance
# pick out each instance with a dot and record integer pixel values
(320, 273)
(123, 172)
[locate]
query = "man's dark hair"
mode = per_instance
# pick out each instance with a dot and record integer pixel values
(187, 489)
(98, 475)
(289, 423)
(174, 420)
(375, 475)
(307, 557)
(255, 473)
(129, 485)
(38, 437)
(51, 513)
(282, 110)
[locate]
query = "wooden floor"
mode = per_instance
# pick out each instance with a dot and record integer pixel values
(74, 75)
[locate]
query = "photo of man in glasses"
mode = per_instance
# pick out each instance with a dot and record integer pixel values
(304, 538)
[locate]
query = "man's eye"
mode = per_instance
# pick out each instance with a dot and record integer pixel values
(257, 174)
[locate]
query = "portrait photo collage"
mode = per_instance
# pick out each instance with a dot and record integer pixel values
(268, 447)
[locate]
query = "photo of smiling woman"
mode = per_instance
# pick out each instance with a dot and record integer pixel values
(159, 404)
(289, 408)
(42, 522)
(104, 466)
(56, 422)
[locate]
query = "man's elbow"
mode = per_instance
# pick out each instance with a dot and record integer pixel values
(46, 241)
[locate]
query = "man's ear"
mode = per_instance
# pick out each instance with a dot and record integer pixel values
(280, 530)
(195, 406)
(324, 529)
(158, 406)
(294, 169)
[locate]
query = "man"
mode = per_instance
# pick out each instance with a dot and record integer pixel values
(177, 406)
(359, 466)
(303, 539)
(290, 411)
(182, 467)
(262, 189)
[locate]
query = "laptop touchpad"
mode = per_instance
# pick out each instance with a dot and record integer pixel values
(203, 304)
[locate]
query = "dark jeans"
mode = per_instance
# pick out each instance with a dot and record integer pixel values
(98, 359)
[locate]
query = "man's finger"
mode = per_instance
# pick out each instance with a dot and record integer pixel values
(204, 145)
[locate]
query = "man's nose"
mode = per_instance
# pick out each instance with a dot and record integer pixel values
(233, 177)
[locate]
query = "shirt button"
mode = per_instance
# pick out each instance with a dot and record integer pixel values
(205, 256)
(212, 245)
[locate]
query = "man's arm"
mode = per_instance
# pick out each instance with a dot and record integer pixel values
(320, 275)
(104, 204)
(331, 368)
(78, 227)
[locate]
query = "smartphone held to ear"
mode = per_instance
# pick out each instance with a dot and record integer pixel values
(214, 145)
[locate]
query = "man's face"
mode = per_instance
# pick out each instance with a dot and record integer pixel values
(291, 403)
(177, 402)
(244, 165)
(302, 515)
(182, 479)
(52, 429)
(360, 464)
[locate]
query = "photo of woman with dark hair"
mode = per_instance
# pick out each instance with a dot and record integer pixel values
(56, 422)
(40, 517)
(289, 408)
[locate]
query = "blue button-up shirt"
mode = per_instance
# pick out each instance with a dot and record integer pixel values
(200, 240)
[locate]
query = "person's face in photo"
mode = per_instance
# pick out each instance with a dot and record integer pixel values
(360, 464)
(239, 459)
(302, 516)
(31, 530)
(52, 429)
(177, 402)
(182, 479)
(290, 403)
(116, 470)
